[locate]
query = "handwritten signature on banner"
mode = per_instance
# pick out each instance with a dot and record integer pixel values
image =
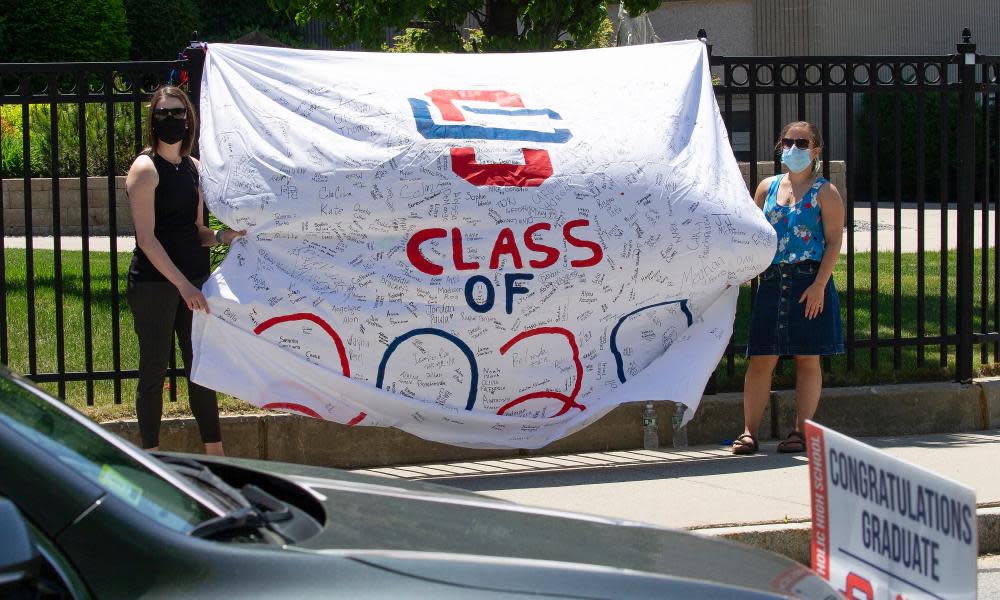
(481, 250)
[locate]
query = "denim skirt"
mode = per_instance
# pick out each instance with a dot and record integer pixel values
(778, 324)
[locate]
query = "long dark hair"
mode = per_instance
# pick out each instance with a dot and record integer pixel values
(192, 120)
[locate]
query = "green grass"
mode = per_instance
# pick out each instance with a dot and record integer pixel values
(910, 368)
(102, 285)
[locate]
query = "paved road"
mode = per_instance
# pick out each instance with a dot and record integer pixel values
(704, 488)
(908, 227)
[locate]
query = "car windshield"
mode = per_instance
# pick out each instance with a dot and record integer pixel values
(146, 487)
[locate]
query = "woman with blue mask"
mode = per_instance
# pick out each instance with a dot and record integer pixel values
(796, 311)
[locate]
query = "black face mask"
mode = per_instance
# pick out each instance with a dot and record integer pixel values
(170, 130)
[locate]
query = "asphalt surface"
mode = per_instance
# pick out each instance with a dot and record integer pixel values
(700, 487)
(708, 490)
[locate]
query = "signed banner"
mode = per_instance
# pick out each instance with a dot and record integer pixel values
(484, 250)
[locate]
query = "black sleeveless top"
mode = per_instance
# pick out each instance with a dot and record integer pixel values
(175, 211)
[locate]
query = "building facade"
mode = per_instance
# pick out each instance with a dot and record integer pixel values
(823, 28)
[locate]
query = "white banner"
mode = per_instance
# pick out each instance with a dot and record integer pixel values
(884, 528)
(484, 250)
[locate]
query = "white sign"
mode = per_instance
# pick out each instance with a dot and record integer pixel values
(883, 528)
(484, 250)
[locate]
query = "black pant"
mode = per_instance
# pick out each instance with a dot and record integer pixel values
(159, 311)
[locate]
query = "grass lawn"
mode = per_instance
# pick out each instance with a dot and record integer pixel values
(910, 368)
(729, 378)
(102, 285)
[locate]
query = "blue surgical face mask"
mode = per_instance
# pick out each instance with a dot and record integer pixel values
(796, 159)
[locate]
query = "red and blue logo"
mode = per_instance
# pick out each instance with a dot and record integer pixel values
(454, 107)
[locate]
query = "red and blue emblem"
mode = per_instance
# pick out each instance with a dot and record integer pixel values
(454, 107)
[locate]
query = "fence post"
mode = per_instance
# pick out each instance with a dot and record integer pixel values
(966, 204)
(711, 386)
(195, 56)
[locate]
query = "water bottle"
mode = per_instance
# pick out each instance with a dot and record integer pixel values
(650, 438)
(680, 433)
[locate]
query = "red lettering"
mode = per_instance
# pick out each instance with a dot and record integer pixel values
(505, 244)
(577, 242)
(444, 100)
(536, 169)
(551, 254)
(417, 259)
(456, 252)
(857, 583)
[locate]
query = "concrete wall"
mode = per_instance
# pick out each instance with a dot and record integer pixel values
(70, 211)
(856, 411)
(901, 26)
(681, 20)
(829, 27)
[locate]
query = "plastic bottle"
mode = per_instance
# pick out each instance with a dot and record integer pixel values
(650, 437)
(680, 433)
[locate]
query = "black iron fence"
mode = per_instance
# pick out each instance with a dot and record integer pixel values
(929, 148)
(74, 90)
(851, 98)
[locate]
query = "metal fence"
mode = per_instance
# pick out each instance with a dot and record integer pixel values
(843, 94)
(61, 86)
(955, 125)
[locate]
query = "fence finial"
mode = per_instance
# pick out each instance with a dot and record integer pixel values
(966, 36)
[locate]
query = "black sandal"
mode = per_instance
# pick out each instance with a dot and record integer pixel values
(741, 446)
(793, 444)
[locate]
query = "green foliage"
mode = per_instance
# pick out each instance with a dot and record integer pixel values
(217, 253)
(438, 25)
(160, 28)
(880, 108)
(68, 30)
(40, 140)
(227, 20)
(414, 39)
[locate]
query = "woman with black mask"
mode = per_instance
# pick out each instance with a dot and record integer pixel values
(170, 262)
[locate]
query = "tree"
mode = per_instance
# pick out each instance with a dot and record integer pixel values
(439, 25)
(70, 30)
(152, 37)
(232, 19)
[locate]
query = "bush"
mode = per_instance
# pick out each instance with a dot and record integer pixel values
(65, 31)
(160, 28)
(225, 21)
(40, 149)
(882, 107)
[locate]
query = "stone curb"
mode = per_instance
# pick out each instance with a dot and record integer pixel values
(904, 409)
(794, 539)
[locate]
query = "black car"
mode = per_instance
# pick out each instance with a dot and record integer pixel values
(83, 513)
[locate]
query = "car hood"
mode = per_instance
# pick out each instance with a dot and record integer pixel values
(376, 514)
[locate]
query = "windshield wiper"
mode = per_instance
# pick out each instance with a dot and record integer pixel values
(201, 474)
(264, 510)
(255, 508)
(240, 519)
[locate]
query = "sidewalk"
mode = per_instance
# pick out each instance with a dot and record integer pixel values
(761, 499)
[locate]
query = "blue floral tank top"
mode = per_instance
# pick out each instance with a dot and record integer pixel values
(799, 227)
